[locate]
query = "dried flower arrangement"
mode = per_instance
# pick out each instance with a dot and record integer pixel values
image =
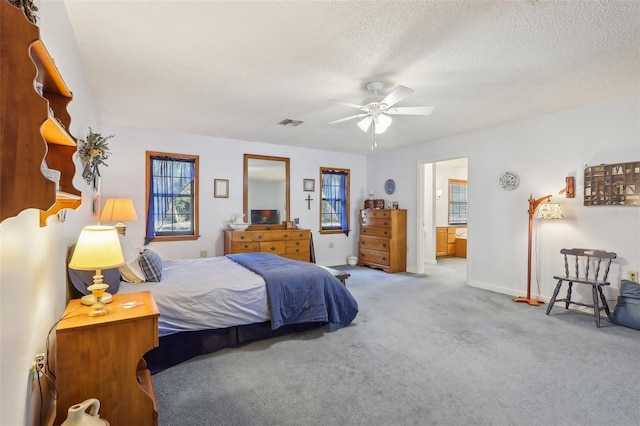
(93, 152)
(28, 8)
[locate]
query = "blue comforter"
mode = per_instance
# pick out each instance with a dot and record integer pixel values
(299, 292)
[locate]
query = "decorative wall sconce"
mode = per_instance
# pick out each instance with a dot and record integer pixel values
(438, 194)
(569, 187)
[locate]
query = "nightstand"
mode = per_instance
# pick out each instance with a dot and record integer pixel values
(101, 357)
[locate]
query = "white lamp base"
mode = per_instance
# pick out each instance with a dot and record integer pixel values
(90, 300)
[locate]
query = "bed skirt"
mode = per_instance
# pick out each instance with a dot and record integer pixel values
(179, 347)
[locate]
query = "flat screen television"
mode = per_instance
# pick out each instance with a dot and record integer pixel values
(264, 217)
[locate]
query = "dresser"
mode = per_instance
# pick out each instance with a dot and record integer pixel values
(383, 239)
(290, 243)
(101, 357)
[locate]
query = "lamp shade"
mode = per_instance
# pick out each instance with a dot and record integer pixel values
(118, 210)
(549, 211)
(98, 247)
(382, 123)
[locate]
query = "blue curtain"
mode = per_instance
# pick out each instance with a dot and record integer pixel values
(169, 176)
(337, 195)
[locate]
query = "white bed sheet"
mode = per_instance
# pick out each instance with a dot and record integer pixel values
(205, 293)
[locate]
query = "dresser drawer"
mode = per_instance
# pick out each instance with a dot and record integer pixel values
(376, 232)
(297, 245)
(384, 222)
(280, 235)
(372, 256)
(245, 247)
(274, 247)
(373, 243)
(299, 234)
(241, 236)
(298, 251)
(375, 213)
(297, 256)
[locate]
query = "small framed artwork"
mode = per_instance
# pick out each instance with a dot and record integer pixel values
(221, 188)
(309, 184)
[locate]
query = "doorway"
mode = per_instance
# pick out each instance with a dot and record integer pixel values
(434, 201)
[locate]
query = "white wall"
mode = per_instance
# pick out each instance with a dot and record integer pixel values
(222, 159)
(543, 151)
(33, 287)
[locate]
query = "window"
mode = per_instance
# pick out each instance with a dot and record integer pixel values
(172, 197)
(334, 208)
(457, 202)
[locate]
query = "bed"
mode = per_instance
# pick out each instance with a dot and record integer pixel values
(207, 304)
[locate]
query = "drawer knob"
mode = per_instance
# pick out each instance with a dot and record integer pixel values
(272, 248)
(242, 237)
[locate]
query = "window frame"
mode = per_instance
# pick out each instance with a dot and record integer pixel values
(451, 182)
(347, 205)
(195, 198)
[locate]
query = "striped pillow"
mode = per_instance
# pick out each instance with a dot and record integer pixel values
(151, 265)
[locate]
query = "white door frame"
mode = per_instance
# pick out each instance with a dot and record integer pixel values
(425, 222)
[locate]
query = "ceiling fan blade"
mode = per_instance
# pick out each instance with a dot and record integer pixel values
(348, 118)
(347, 104)
(398, 94)
(423, 110)
(364, 124)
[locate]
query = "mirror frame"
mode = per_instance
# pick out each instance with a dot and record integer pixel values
(245, 188)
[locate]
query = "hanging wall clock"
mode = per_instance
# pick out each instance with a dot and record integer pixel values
(389, 186)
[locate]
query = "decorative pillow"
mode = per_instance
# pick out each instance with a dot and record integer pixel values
(627, 311)
(151, 265)
(83, 279)
(131, 271)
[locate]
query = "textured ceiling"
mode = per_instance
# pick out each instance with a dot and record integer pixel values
(235, 69)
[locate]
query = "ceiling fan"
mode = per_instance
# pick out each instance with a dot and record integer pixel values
(377, 109)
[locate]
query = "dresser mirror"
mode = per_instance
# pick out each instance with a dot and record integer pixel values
(266, 190)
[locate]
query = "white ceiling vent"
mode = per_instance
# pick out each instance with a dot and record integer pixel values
(291, 123)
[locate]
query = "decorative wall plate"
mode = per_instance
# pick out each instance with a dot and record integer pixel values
(389, 186)
(509, 181)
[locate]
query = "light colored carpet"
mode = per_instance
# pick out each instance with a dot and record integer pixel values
(423, 350)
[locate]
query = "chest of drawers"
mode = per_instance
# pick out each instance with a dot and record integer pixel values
(383, 239)
(289, 243)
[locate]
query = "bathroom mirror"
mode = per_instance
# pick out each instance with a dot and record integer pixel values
(266, 190)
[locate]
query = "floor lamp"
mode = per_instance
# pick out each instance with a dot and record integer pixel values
(545, 211)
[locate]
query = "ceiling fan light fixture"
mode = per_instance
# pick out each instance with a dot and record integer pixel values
(365, 123)
(382, 123)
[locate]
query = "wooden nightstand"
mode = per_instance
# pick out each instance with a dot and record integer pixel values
(101, 357)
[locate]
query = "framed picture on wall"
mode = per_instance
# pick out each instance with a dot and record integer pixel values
(309, 184)
(221, 188)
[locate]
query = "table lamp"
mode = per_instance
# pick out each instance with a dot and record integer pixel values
(98, 248)
(119, 210)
